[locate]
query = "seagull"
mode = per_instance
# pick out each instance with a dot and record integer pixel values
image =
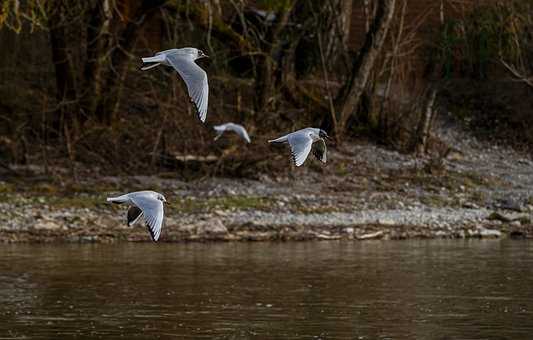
(144, 203)
(182, 60)
(301, 143)
(238, 129)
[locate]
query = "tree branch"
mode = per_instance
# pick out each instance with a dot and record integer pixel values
(516, 74)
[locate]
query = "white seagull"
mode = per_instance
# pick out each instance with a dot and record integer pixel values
(301, 143)
(144, 203)
(182, 60)
(238, 129)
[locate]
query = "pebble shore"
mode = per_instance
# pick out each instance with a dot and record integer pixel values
(365, 192)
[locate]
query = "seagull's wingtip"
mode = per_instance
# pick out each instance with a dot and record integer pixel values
(202, 116)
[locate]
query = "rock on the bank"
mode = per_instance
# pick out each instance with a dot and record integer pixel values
(47, 225)
(207, 229)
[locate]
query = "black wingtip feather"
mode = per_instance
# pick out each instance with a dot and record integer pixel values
(152, 234)
(198, 113)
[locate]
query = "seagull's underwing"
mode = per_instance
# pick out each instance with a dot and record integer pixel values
(134, 214)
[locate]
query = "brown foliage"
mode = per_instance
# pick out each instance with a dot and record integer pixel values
(72, 92)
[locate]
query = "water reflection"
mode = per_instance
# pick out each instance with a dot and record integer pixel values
(341, 290)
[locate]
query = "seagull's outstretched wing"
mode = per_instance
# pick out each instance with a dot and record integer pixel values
(241, 131)
(152, 209)
(301, 144)
(196, 80)
(319, 150)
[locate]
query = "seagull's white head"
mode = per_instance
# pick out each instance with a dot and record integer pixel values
(200, 54)
(161, 198)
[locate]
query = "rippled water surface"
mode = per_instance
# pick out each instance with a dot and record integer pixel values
(312, 290)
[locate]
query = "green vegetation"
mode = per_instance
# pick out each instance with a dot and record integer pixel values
(76, 201)
(437, 201)
(6, 187)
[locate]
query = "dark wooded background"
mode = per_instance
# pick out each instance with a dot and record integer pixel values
(72, 93)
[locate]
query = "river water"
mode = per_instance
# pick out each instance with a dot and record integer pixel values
(478, 289)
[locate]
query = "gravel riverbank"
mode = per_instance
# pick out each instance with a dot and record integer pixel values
(364, 192)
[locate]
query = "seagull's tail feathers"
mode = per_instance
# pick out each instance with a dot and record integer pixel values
(155, 59)
(158, 59)
(118, 199)
(278, 140)
(144, 68)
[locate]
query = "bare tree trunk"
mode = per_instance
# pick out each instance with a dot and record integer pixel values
(424, 124)
(125, 41)
(346, 21)
(264, 82)
(267, 66)
(109, 44)
(339, 20)
(98, 43)
(392, 63)
(66, 93)
(349, 97)
(284, 41)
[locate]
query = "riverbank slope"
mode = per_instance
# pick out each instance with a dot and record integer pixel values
(364, 192)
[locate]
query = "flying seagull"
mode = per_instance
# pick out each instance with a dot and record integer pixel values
(238, 129)
(148, 204)
(301, 143)
(182, 60)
